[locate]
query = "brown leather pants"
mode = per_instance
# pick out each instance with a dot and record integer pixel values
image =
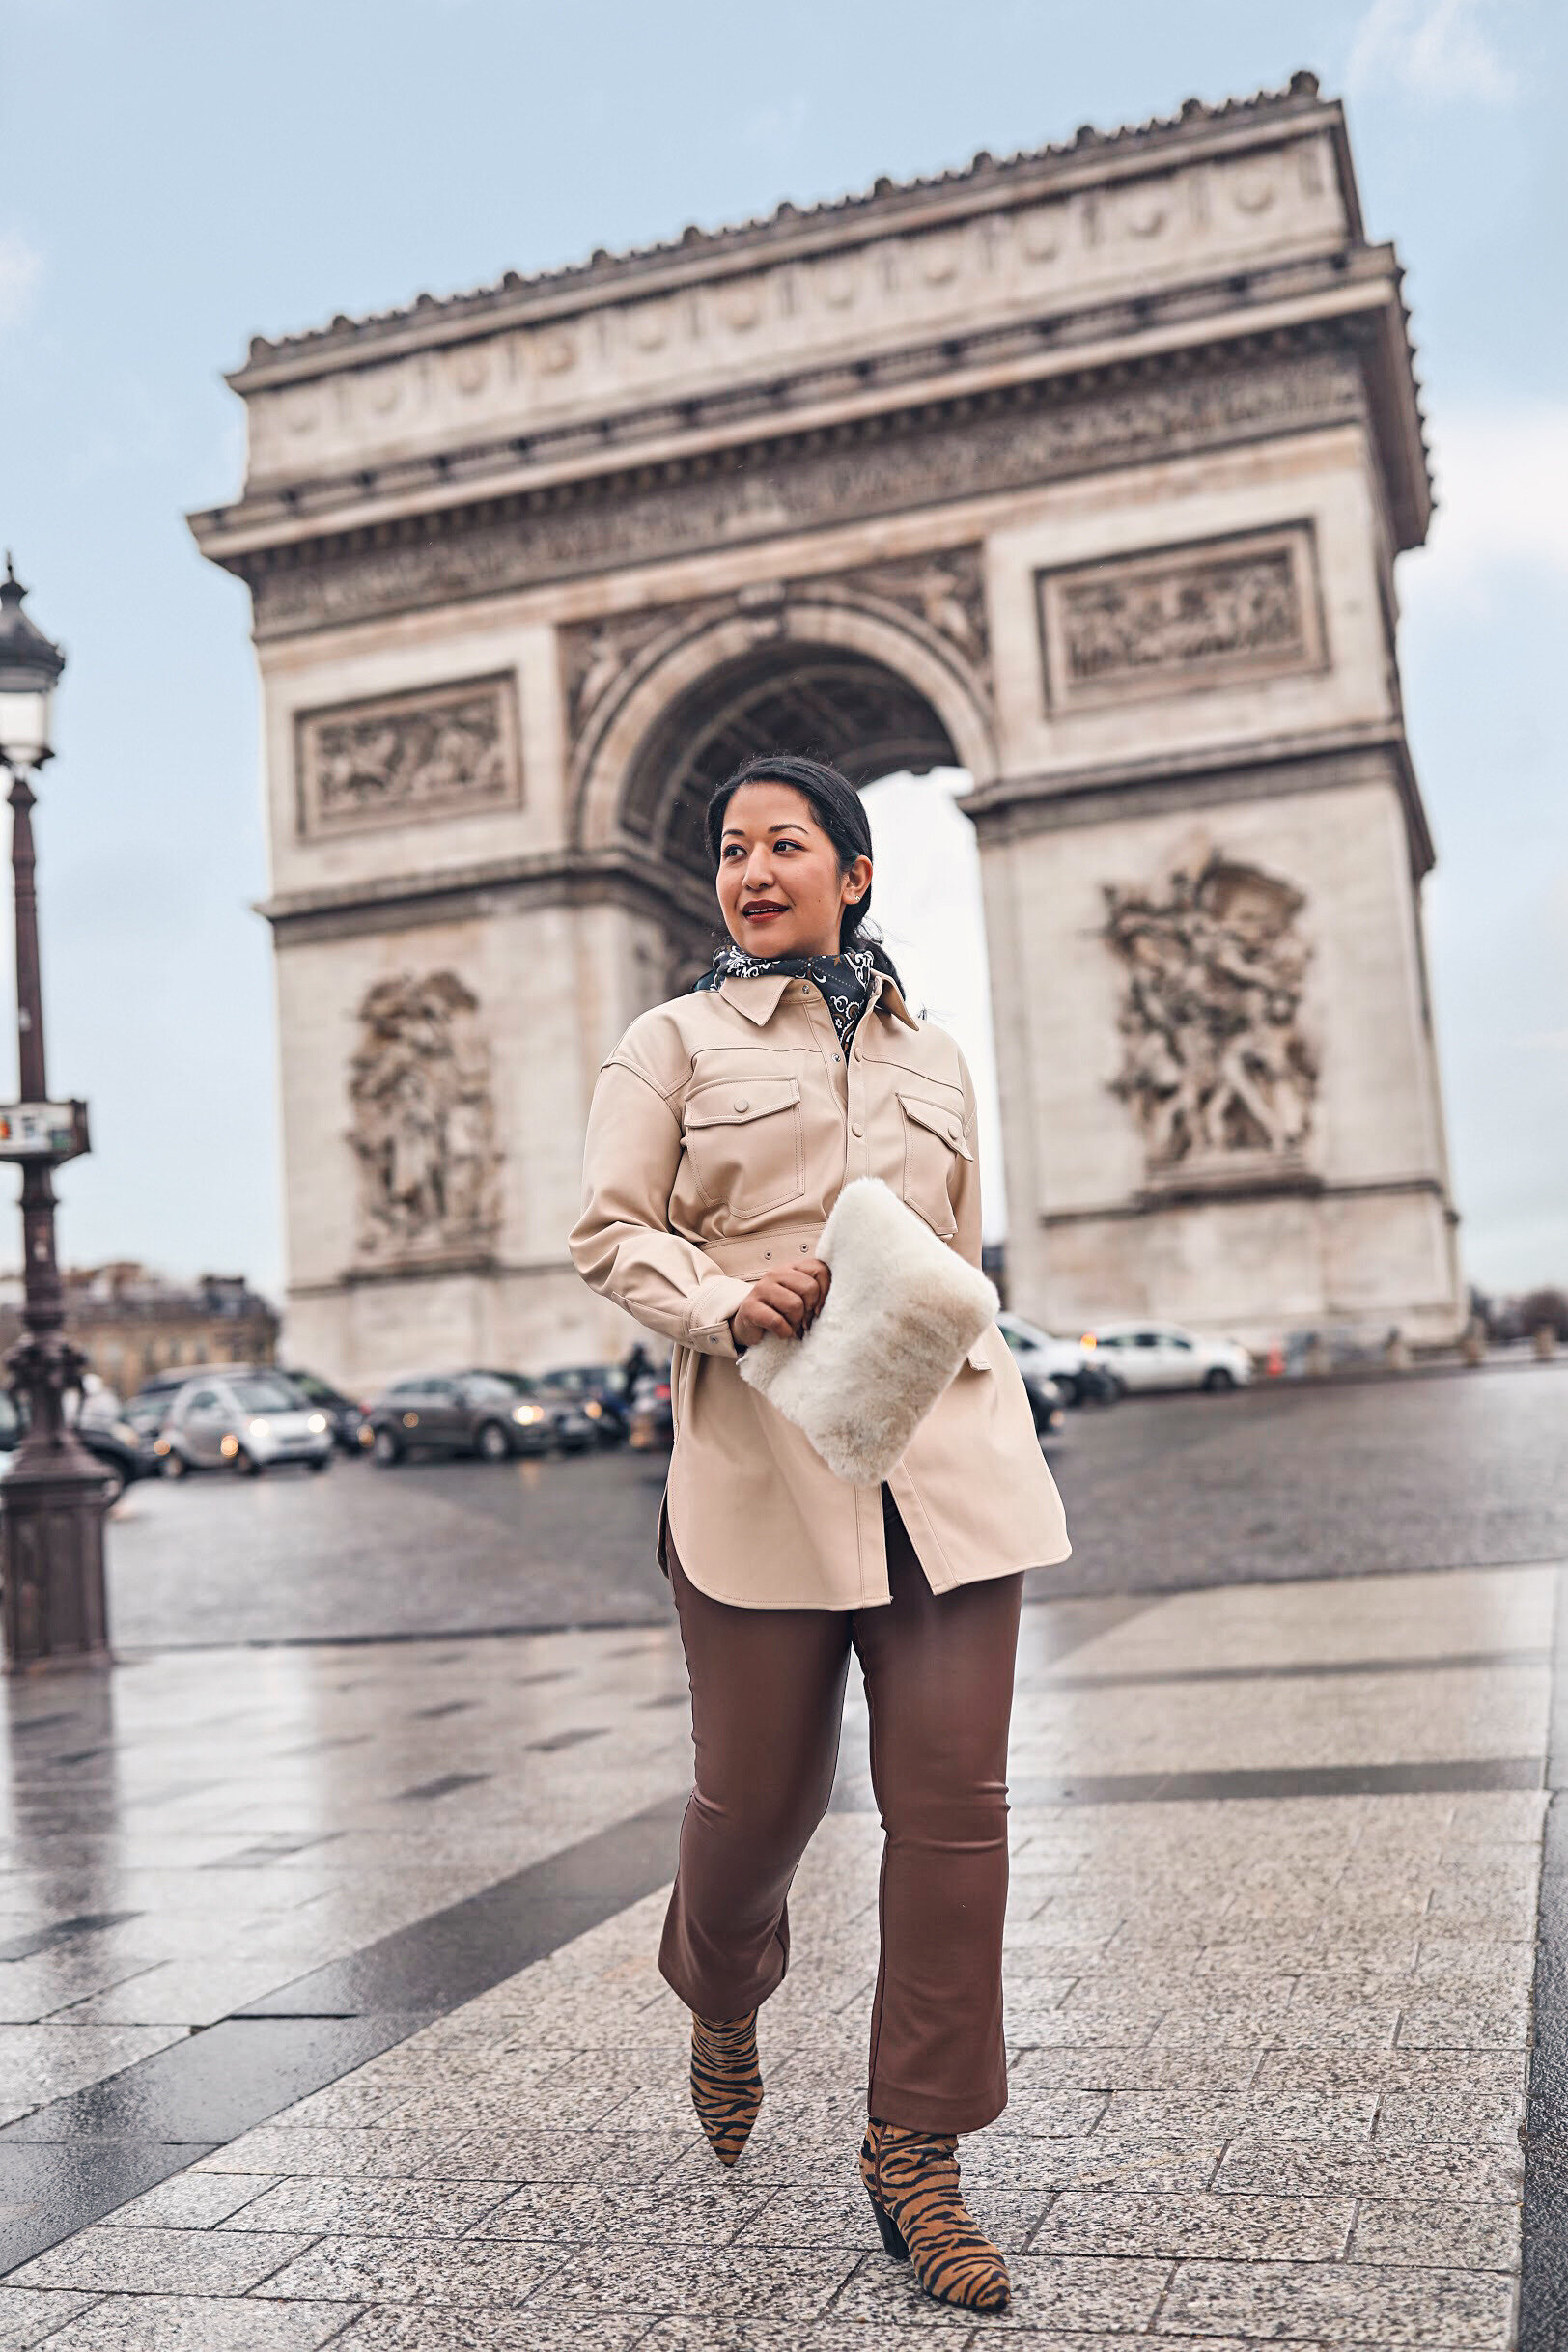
(766, 1698)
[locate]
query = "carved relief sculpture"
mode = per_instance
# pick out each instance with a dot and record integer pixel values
(423, 1121)
(437, 752)
(944, 591)
(1163, 623)
(1214, 1066)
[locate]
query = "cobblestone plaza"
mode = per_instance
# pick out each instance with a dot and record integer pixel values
(326, 1965)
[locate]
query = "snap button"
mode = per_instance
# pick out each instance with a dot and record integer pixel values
(767, 1254)
(743, 1103)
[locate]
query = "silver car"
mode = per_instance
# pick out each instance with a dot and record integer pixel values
(248, 1423)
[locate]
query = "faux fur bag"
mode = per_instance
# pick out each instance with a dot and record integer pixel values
(903, 1311)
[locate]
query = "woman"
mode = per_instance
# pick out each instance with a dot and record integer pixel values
(723, 1127)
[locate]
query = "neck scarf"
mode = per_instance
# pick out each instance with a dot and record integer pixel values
(844, 981)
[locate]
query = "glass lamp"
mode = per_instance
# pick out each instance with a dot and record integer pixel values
(29, 667)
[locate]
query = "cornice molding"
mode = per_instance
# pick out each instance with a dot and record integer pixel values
(930, 455)
(1200, 1199)
(1194, 324)
(1015, 807)
(401, 902)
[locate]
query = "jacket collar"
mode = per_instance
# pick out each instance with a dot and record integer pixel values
(758, 997)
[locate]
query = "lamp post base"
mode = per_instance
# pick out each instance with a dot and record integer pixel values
(52, 1607)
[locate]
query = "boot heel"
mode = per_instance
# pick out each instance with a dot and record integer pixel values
(892, 2236)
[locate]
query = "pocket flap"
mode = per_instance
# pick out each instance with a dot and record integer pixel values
(934, 1116)
(732, 1101)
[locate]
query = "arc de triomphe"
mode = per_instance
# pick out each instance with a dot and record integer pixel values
(1086, 471)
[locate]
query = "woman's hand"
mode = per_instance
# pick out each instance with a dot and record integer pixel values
(787, 1303)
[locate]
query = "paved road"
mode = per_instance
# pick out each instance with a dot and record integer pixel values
(1419, 1473)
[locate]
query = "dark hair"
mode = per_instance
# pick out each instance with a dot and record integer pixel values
(841, 813)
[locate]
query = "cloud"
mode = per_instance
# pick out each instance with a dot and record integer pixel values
(21, 265)
(1502, 499)
(1432, 49)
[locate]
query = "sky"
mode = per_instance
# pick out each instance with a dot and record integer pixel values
(180, 176)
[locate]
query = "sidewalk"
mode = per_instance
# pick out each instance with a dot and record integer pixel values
(1277, 1856)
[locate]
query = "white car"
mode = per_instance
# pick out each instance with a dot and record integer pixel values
(248, 1423)
(1058, 1359)
(1162, 1356)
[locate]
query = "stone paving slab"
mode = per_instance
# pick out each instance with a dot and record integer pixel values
(1268, 2053)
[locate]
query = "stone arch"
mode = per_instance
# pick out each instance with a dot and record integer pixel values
(876, 692)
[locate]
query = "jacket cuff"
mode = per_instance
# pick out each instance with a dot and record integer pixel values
(708, 1317)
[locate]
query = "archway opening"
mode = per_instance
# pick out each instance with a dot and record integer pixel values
(826, 700)
(840, 705)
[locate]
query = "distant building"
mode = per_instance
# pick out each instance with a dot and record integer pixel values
(131, 1323)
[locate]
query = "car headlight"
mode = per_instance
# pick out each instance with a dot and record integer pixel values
(527, 1413)
(124, 1431)
(367, 1435)
(594, 1408)
(229, 1445)
(160, 1445)
(260, 1428)
(318, 1422)
(1088, 1340)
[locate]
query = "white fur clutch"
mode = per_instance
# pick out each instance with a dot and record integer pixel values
(903, 1311)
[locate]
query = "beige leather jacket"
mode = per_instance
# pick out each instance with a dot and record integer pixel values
(723, 1127)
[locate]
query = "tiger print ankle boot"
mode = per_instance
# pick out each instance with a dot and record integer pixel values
(726, 2081)
(912, 2180)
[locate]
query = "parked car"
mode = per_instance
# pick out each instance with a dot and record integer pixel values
(1148, 1355)
(350, 1427)
(1071, 1365)
(650, 1416)
(456, 1413)
(602, 1391)
(533, 1431)
(146, 1416)
(578, 1421)
(1046, 1402)
(168, 1382)
(112, 1441)
(117, 1447)
(249, 1422)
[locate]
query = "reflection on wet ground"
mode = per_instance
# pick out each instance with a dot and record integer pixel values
(1269, 2037)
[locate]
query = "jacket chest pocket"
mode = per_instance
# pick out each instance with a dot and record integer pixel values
(934, 1150)
(744, 1144)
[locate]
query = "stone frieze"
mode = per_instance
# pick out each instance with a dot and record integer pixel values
(1002, 262)
(1178, 618)
(437, 752)
(782, 487)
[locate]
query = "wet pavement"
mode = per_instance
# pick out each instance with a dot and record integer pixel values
(1424, 1471)
(328, 2011)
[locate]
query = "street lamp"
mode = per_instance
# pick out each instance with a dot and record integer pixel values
(52, 1502)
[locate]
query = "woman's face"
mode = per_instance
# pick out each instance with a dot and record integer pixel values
(779, 883)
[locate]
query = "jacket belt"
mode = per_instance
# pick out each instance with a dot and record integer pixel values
(752, 1255)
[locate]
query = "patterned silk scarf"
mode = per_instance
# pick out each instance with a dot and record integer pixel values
(845, 981)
